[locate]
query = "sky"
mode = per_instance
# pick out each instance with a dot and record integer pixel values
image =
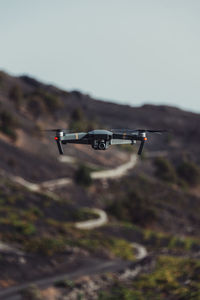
(126, 51)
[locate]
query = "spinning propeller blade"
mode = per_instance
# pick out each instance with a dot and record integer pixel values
(138, 130)
(58, 130)
(53, 130)
(159, 131)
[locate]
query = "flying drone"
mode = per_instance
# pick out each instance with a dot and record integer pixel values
(101, 139)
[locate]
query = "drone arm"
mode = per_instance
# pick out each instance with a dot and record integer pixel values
(124, 136)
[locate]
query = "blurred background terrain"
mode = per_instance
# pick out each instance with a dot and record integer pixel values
(155, 203)
(102, 225)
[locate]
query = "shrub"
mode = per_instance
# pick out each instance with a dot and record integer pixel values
(189, 172)
(79, 122)
(97, 242)
(169, 279)
(165, 170)
(65, 283)
(8, 124)
(176, 242)
(16, 95)
(36, 106)
(83, 214)
(77, 114)
(82, 176)
(24, 227)
(52, 102)
(133, 208)
(31, 292)
(45, 246)
(40, 102)
(119, 291)
(36, 211)
(121, 248)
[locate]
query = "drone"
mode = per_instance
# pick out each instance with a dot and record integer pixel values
(101, 139)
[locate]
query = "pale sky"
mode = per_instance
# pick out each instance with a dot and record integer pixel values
(125, 51)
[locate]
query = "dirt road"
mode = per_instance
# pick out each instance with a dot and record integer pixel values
(91, 267)
(56, 183)
(116, 172)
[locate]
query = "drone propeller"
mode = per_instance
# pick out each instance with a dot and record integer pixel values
(141, 133)
(159, 131)
(138, 130)
(52, 130)
(58, 130)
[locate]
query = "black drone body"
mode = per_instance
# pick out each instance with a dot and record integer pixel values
(101, 139)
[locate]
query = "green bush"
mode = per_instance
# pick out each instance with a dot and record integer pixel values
(176, 243)
(16, 95)
(31, 293)
(171, 278)
(52, 102)
(36, 211)
(165, 170)
(24, 228)
(120, 292)
(41, 102)
(189, 172)
(168, 280)
(77, 115)
(8, 124)
(79, 122)
(45, 246)
(96, 242)
(65, 283)
(36, 106)
(82, 176)
(83, 214)
(134, 208)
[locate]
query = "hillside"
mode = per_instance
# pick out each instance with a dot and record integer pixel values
(154, 205)
(35, 106)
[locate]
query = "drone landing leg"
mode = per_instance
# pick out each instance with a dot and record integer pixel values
(60, 149)
(141, 148)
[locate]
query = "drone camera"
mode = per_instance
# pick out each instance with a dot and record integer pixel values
(102, 146)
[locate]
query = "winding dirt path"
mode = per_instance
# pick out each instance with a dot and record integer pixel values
(90, 267)
(5, 248)
(56, 183)
(116, 172)
(48, 186)
(141, 251)
(91, 224)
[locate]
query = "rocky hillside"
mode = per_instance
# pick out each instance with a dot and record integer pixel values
(155, 204)
(28, 106)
